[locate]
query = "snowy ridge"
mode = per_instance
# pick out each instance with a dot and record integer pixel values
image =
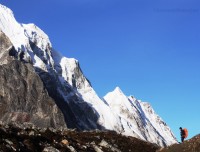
(139, 119)
(116, 111)
(27, 38)
(156, 121)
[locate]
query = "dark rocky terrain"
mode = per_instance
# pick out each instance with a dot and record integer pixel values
(32, 139)
(191, 145)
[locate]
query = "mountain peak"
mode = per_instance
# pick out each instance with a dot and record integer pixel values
(118, 90)
(8, 11)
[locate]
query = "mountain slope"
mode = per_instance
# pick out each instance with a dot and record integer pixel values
(191, 145)
(72, 92)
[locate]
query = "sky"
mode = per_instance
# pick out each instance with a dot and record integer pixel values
(150, 49)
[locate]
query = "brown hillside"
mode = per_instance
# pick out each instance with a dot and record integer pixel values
(191, 145)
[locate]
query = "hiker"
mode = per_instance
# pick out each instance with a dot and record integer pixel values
(184, 133)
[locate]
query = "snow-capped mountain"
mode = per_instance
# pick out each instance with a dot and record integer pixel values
(66, 84)
(138, 118)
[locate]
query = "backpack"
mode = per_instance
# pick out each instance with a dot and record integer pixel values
(185, 132)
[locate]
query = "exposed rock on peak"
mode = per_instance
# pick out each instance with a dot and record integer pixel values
(7, 51)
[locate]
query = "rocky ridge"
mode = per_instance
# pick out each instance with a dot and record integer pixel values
(30, 139)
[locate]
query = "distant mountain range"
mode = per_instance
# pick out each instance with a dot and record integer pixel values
(42, 87)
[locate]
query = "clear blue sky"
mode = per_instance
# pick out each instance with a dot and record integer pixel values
(150, 49)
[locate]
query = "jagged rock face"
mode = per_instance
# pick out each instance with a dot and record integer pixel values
(4, 42)
(78, 114)
(23, 97)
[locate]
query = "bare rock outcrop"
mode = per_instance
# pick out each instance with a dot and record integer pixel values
(23, 97)
(7, 51)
